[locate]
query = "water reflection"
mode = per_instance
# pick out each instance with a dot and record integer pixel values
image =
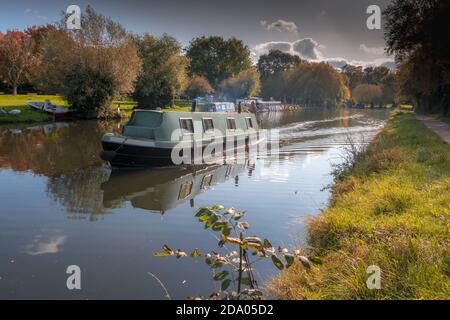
(53, 149)
(163, 189)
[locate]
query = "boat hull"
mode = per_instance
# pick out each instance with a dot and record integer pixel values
(124, 155)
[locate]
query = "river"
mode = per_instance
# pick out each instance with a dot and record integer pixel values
(61, 205)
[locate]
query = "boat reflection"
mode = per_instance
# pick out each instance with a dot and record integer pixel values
(162, 189)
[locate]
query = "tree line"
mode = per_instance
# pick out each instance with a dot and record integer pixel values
(103, 61)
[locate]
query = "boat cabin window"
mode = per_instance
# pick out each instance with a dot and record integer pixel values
(185, 190)
(231, 123)
(249, 123)
(206, 181)
(187, 125)
(207, 124)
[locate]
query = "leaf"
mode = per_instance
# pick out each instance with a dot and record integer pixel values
(161, 254)
(253, 240)
(180, 254)
(195, 253)
(226, 231)
(277, 262)
(246, 281)
(233, 240)
(221, 275)
(305, 261)
(229, 211)
(225, 284)
(218, 226)
(217, 207)
(289, 259)
(243, 225)
(203, 211)
(167, 249)
(267, 244)
(239, 215)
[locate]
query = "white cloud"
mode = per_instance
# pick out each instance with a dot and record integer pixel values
(280, 25)
(27, 10)
(50, 244)
(310, 50)
(305, 48)
(372, 50)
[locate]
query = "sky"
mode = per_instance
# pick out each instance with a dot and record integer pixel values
(317, 30)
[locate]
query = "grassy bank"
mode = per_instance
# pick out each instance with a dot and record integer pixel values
(9, 102)
(392, 210)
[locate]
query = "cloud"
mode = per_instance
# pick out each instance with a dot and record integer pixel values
(310, 50)
(305, 48)
(372, 50)
(50, 244)
(280, 25)
(27, 10)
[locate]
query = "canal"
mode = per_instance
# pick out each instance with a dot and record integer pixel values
(60, 205)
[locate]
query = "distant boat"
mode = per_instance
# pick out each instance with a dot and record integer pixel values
(60, 113)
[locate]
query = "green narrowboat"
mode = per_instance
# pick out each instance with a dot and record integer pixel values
(150, 137)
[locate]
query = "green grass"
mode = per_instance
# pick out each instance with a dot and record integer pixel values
(392, 210)
(9, 102)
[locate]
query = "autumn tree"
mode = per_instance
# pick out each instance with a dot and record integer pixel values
(417, 33)
(276, 61)
(102, 49)
(315, 84)
(164, 72)
(198, 86)
(245, 84)
(271, 67)
(17, 57)
(368, 94)
(216, 58)
(354, 75)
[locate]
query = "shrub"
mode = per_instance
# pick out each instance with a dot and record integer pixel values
(90, 92)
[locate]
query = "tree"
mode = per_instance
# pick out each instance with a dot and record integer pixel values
(198, 86)
(17, 57)
(354, 74)
(368, 94)
(216, 58)
(101, 48)
(316, 84)
(164, 71)
(245, 84)
(90, 92)
(276, 61)
(414, 33)
(271, 67)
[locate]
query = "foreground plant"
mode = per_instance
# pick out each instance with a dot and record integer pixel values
(235, 267)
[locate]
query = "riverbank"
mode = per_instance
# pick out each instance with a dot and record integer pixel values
(9, 102)
(391, 210)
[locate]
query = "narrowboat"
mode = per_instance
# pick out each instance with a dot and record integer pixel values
(258, 105)
(217, 107)
(151, 138)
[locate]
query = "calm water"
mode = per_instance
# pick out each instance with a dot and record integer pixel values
(61, 205)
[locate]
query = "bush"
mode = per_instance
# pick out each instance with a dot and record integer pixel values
(90, 93)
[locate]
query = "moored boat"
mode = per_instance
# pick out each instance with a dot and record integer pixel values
(59, 113)
(155, 138)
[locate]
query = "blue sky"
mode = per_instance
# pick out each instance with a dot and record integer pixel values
(315, 29)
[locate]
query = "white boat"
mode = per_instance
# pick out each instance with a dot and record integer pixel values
(58, 112)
